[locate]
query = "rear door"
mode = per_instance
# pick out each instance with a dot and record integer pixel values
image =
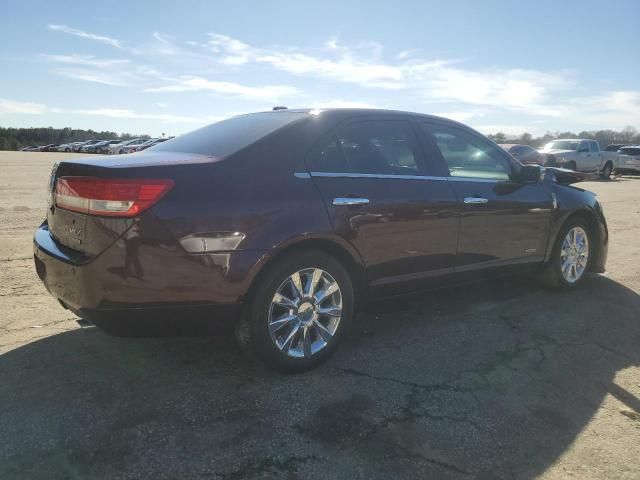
(596, 155)
(381, 197)
(586, 161)
(503, 222)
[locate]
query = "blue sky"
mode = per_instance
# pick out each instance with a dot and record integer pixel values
(154, 67)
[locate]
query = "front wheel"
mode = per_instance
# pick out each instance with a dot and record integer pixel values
(299, 312)
(572, 166)
(571, 256)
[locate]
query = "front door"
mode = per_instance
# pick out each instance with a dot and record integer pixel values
(503, 222)
(372, 177)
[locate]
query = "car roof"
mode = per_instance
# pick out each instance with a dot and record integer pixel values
(338, 113)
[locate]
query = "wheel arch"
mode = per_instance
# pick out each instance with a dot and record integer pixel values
(338, 249)
(587, 215)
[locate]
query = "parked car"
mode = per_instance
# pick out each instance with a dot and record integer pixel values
(614, 147)
(151, 143)
(48, 148)
(67, 147)
(120, 147)
(31, 149)
(84, 148)
(525, 154)
(28, 148)
(581, 155)
(99, 147)
(112, 145)
(134, 147)
(629, 160)
(283, 222)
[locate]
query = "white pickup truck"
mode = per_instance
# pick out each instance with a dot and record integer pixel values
(580, 155)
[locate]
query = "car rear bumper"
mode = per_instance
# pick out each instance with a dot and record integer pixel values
(155, 285)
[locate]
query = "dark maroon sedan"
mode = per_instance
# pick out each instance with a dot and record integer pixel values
(284, 221)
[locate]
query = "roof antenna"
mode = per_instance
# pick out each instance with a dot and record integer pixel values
(280, 107)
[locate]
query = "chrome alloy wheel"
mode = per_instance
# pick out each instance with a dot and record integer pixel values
(305, 312)
(574, 254)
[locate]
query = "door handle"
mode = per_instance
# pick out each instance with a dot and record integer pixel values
(346, 201)
(475, 200)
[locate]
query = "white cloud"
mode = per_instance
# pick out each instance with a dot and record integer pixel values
(114, 79)
(430, 80)
(87, 60)
(337, 103)
(91, 36)
(509, 129)
(194, 84)
(12, 106)
(126, 113)
(117, 72)
(459, 116)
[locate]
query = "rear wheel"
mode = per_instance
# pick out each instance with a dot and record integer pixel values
(299, 312)
(571, 256)
(607, 170)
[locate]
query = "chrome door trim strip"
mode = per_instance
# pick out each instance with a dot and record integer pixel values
(475, 179)
(396, 177)
(375, 175)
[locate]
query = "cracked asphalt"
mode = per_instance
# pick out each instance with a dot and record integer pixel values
(499, 379)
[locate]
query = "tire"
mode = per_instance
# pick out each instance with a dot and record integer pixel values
(276, 333)
(607, 170)
(553, 275)
(67, 149)
(572, 166)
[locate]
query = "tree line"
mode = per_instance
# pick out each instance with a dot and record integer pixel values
(17, 138)
(628, 135)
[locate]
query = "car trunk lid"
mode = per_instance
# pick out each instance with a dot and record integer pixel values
(87, 207)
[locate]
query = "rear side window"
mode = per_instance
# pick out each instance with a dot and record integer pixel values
(468, 155)
(632, 151)
(594, 147)
(518, 151)
(229, 136)
(382, 147)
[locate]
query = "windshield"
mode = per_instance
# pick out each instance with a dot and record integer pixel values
(229, 136)
(562, 145)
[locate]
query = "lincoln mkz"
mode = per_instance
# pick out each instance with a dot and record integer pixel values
(284, 222)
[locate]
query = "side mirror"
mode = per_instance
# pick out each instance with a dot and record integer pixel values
(529, 174)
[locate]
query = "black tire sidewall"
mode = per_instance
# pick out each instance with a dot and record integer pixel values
(259, 337)
(556, 263)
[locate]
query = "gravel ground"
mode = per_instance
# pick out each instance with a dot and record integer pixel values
(494, 380)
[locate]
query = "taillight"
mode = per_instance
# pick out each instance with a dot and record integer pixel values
(109, 197)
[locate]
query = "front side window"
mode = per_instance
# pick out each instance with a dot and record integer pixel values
(381, 147)
(468, 155)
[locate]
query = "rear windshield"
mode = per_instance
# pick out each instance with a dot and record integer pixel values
(633, 151)
(229, 136)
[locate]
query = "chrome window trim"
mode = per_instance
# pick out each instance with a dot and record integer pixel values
(396, 177)
(476, 179)
(374, 175)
